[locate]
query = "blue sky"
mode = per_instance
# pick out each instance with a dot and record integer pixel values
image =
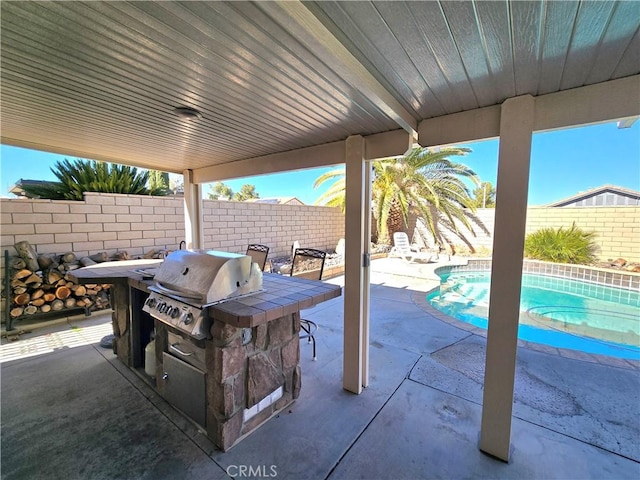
(563, 163)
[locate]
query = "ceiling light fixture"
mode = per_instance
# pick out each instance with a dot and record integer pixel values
(187, 113)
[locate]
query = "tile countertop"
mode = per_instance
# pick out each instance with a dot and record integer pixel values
(282, 295)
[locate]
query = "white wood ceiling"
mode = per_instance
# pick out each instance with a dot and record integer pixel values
(100, 79)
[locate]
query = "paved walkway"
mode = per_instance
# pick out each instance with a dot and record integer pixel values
(71, 410)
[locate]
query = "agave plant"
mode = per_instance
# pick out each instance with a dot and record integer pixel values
(81, 176)
(572, 245)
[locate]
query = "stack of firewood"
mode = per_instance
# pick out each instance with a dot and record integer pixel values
(41, 284)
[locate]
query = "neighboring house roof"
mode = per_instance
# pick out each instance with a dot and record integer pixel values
(17, 188)
(604, 196)
(278, 200)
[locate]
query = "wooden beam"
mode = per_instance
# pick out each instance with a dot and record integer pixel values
(469, 126)
(310, 157)
(599, 103)
(602, 102)
(309, 30)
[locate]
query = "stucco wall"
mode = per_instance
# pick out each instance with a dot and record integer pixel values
(139, 223)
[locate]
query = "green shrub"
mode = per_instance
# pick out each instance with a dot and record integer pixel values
(571, 245)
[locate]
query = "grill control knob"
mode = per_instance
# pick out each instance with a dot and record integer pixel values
(188, 318)
(174, 313)
(151, 302)
(161, 307)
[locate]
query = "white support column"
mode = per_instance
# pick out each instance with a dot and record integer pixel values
(194, 234)
(355, 324)
(366, 271)
(516, 127)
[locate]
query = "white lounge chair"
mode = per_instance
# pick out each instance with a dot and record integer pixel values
(403, 249)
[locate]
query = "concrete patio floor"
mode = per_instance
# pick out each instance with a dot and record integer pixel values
(70, 410)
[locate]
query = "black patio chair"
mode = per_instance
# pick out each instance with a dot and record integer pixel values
(258, 254)
(308, 263)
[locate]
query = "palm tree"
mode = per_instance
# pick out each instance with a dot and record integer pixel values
(81, 176)
(335, 195)
(425, 182)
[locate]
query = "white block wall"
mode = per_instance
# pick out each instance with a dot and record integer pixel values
(139, 223)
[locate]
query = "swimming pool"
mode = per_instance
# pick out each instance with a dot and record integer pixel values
(560, 312)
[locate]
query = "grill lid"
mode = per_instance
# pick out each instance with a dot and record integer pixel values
(207, 277)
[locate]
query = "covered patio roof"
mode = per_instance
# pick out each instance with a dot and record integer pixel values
(291, 85)
(101, 79)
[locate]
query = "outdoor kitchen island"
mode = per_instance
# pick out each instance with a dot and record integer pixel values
(246, 369)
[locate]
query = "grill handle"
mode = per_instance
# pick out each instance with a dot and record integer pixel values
(179, 351)
(178, 293)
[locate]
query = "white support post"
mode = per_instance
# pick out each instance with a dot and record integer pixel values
(194, 234)
(516, 127)
(366, 271)
(355, 325)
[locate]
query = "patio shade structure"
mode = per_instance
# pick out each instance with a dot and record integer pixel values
(280, 86)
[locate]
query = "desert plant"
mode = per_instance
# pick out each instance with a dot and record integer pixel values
(425, 181)
(81, 176)
(571, 245)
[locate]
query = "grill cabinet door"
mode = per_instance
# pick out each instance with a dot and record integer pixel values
(184, 388)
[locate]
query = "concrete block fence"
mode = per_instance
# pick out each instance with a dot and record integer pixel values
(140, 223)
(617, 229)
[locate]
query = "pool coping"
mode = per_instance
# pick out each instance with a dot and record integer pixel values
(420, 300)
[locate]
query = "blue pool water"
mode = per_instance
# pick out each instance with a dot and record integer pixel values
(559, 312)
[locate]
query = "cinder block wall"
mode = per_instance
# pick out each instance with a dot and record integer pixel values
(139, 223)
(617, 229)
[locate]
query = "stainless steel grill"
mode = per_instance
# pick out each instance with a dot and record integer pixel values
(189, 281)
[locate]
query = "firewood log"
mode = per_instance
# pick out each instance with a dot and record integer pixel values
(62, 292)
(79, 290)
(38, 302)
(99, 257)
(105, 286)
(57, 305)
(28, 254)
(53, 276)
(45, 308)
(22, 299)
(17, 263)
(70, 302)
(49, 297)
(121, 256)
(91, 292)
(45, 261)
(37, 294)
(151, 253)
(34, 278)
(71, 266)
(18, 283)
(30, 310)
(19, 290)
(24, 273)
(68, 257)
(86, 261)
(16, 312)
(80, 302)
(90, 285)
